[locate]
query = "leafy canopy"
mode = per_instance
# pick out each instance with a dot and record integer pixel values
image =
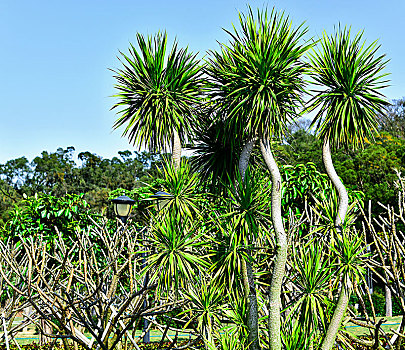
(350, 76)
(258, 77)
(157, 95)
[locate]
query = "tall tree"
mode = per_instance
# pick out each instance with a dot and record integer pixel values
(350, 76)
(158, 96)
(258, 79)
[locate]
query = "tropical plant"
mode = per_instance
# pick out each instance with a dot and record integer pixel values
(182, 184)
(258, 81)
(158, 95)
(206, 301)
(215, 153)
(311, 279)
(174, 252)
(350, 77)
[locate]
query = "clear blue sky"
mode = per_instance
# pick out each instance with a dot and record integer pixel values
(54, 58)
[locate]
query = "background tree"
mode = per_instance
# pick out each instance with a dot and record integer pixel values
(393, 120)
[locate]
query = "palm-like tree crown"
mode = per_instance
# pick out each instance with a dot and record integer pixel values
(258, 76)
(350, 78)
(157, 95)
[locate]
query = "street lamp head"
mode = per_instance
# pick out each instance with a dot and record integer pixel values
(161, 199)
(122, 207)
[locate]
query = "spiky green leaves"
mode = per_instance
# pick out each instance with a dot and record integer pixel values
(350, 78)
(157, 94)
(258, 77)
(175, 259)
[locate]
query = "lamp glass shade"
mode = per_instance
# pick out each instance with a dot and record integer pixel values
(122, 209)
(161, 203)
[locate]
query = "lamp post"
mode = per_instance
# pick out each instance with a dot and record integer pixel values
(161, 199)
(122, 207)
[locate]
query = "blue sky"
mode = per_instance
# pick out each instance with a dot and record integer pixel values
(54, 78)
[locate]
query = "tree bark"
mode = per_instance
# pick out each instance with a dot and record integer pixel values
(343, 196)
(343, 300)
(281, 248)
(388, 302)
(334, 325)
(247, 271)
(176, 149)
(245, 157)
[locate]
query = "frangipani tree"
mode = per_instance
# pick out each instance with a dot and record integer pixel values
(257, 80)
(349, 74)
(158, 95)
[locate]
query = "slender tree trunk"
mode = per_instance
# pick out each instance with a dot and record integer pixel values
(247, 271)
(343, 196)
(245, 157)
(334, 325)
(281, 248)
(388, 302)
(176, 149)
(343, 300)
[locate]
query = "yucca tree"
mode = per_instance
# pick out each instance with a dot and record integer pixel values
(158, 96)
(349, 74)
(257, 80)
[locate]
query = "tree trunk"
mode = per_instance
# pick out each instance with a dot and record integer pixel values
(247, 272)
(245, 156)
(343, 300)
(251, 303)
(334, 325)
(343, 196)
(176, 149)
(388, 302)
(281, 248)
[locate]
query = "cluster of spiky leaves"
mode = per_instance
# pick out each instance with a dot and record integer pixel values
(312, 276)
(350, 77)
(349, 249)
(215, 152)
(157, 94)
(257, 79)
(175, 260)
(182, 184)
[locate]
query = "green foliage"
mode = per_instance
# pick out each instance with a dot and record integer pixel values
(43, 214)
(378, 298)
(205, 307)
(349, 77)
(248, 204)
(393, 121)
(312, 275)
(348, 249)
(257, 78)
(174, 260)
(95, 177)
(227, 252)
(215, 153)
(157, 94)
(183, 185)
(293, 338)
(301, 183)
